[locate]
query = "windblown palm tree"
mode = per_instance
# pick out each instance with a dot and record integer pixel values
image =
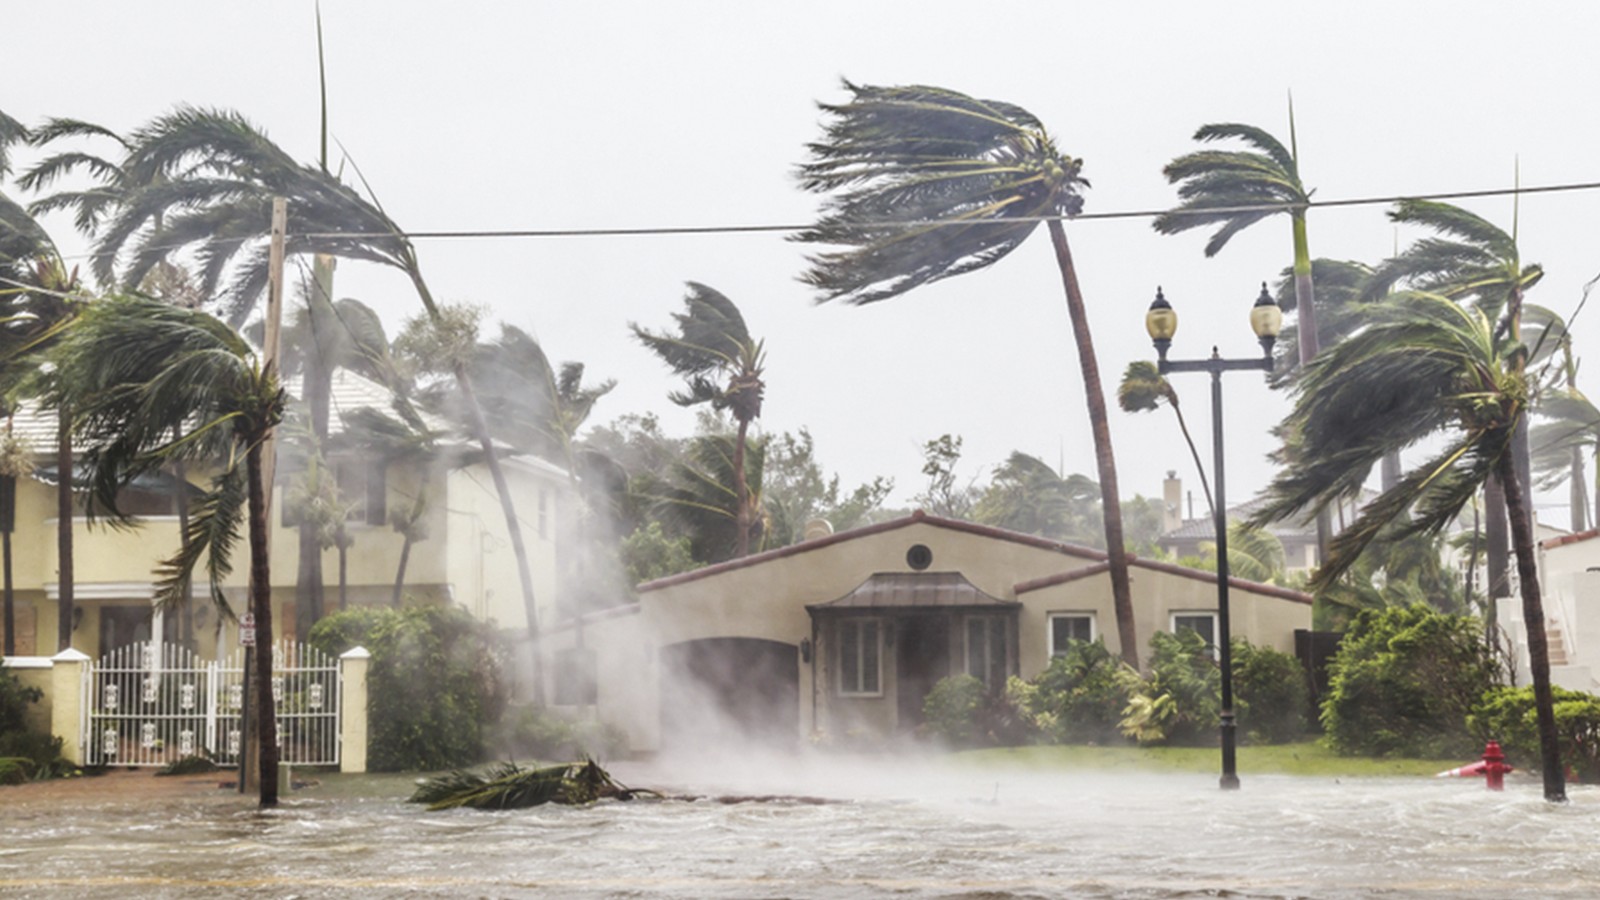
(722, 364)
(1027, 495)
(928, 183)
(203, 181)
(701, 499)
(1424, 366)
(1571, 431)
(149, 384)
(1472, 261)
(1144, 388)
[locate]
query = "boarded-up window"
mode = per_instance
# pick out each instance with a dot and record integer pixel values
(25, 619)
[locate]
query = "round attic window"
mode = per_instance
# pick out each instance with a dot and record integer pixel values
(919, 557)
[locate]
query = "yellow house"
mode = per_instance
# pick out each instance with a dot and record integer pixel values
(845, 633)
(466, 557)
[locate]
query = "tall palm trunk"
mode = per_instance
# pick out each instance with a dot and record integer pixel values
(261, 606)
(741, 493)
(480, 429)
(1497, 565)
(1199, 467)
(317, 385)
(1121, 595)
(8, 519)
(1310, 343)
(180, 477)
(64, 531)
(1533, 621)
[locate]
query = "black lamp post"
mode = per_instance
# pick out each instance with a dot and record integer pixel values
(1266, 320)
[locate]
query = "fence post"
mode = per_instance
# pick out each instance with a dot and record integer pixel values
(67, 706)
(353, 709)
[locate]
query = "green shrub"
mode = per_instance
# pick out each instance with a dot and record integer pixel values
(1507, 715)
(435, 689)
(954, 710)
(1404, 681)
(1080, 697)
(25, 754)
(535, 734)
(1269, 693)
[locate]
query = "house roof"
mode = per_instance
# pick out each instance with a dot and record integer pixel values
(904, 590)
(1254, 587)
(1303, 527)
(917, 517)
(1566, 539)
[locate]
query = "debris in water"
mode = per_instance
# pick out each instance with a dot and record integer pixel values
(509, 786)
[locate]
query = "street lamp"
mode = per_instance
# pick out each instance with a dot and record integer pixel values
(1266, 320)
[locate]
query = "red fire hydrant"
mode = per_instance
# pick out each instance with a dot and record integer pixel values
(1494, 766)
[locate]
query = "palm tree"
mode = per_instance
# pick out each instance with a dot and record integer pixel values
(137, 373)
(1472, 261)
(928, 183)
(1027, 495)
(1423, 367)
(1144, 388)
(701, 499)
(204, 180)
(714, 353)
(1559, 444)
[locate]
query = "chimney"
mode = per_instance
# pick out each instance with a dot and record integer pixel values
(1171, 503)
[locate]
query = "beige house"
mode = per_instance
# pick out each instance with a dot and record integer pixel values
(844, 634)
(1569, 580)
(466, 557)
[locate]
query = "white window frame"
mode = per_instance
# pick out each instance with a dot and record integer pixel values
(992, 622)
(1051, 650)
(1172, 624)
(858, 689)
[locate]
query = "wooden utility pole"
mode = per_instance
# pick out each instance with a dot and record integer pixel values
(260, 690)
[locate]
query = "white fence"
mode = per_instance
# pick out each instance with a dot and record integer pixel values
(150, 704)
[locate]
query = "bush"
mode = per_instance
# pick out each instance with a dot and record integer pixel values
(1404, 681)
(1080, 697)
(1507, 715)
(954, 709)
(1270, 696)
(25, 754)
(435, 687)
(544, 735)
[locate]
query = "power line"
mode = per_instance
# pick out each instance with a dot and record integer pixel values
(920, 223)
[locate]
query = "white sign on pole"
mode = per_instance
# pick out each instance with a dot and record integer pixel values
(247, 630)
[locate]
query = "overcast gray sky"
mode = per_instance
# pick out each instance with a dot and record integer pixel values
(535, 115)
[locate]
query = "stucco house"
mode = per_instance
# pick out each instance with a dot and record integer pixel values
(1569, 579)
(466, 557)
(844, 634)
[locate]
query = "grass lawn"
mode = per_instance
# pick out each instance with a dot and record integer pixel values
(1282, 759)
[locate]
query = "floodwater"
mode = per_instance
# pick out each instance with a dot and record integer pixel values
(900, 830)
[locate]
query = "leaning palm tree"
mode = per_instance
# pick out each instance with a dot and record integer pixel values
(1144, 388)
(137, 373)
(928, 183)
(1027, 495)
(1424, 367)
(204, 180)
(699, 498)
(1571, 430)
(722, 365)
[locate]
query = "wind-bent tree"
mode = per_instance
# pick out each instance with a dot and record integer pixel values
(1027, 495)
(713, 351)
(927, 183)
(1570, 431)
(1423, 367)
(137, 373)
(1143, 389)
(203, 181)
(1471, 261)
(700, 499)
(1235, 189)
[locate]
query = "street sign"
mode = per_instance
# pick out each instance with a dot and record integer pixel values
(247, 630)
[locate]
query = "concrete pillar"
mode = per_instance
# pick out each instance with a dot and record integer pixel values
(353, 666)
(66, 702)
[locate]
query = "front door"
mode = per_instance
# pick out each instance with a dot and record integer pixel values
(922, 648)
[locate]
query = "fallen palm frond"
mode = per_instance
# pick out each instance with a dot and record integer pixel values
(510, 786)
(188, 765)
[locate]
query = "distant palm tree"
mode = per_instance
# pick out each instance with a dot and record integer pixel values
(700, 498)
(714, 353)
(1424, 367)
(927, 183)
(1571, 431)
(1027, 495)
(1144, 388)
(136, 373)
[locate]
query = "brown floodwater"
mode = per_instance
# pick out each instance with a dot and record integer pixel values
(895, 830)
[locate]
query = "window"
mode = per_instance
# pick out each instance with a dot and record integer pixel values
(1067, 627)
(365, 488)
(1201, 623)
(859, 670)
(986, 649)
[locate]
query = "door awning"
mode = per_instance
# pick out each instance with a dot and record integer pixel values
(915, 590)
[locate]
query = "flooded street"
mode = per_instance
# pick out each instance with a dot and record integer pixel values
(896, 830)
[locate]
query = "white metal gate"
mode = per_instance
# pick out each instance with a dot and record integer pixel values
(150, 704)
